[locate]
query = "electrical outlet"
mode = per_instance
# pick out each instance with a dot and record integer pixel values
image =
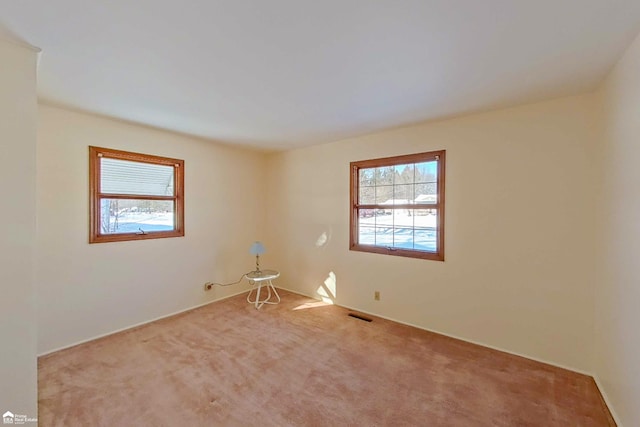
(208, 286)
(376, 295)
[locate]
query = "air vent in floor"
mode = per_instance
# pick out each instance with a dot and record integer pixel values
(359, 316)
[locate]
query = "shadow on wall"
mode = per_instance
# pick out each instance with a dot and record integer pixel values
(7, 33)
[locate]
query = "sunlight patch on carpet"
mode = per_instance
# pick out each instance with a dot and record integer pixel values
(312, 305)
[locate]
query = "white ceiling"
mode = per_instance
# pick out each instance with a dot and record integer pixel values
(287, 73)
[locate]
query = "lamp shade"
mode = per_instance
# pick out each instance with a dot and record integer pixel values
(257, 248)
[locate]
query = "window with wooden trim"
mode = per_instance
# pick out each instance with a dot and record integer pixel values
(397, 205)
(134, 196)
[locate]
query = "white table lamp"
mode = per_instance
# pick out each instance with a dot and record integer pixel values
(257, 249)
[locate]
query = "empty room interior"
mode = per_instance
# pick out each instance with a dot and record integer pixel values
(234, 213)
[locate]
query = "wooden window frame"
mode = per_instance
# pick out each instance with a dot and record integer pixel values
(355, 167)
(95, 154)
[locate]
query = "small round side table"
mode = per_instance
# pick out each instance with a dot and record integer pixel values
(263, 278)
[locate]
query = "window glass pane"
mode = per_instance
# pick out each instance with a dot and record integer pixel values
(403, 237)
(427, 171)
(404, 176)
(384, 217)
(384, 175)
(367, 216)
(384, 236)
(131, 216)
(400, 228)
(367, 177)
(425, 226)
(384, 194)
(127, 177)
(426, 193)
(367, 195)
(403, 228)
(403, 193)
(366, 235)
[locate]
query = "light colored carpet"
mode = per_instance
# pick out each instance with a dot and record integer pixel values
(301, 363)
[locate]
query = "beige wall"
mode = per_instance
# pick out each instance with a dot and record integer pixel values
(520, 232)
(18, 124)
(618, 292)
(89, 290)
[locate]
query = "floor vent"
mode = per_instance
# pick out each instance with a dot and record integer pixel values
(359, 316)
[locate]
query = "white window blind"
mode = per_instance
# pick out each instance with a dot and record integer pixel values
(135, 178)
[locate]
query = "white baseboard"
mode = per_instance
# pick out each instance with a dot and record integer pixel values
(607, 401)
(139, 324)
